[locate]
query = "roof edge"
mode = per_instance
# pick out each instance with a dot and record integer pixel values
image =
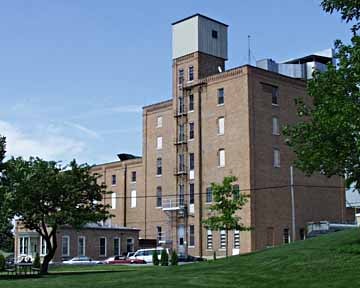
(199, 15)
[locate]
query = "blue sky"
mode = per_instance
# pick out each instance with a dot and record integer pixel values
(75, 74)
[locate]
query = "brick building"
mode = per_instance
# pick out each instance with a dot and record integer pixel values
(220, 122)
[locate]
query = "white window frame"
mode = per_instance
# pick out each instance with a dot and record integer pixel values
(275, 126)
(43, 244)
(209, 240)
(221, 125)
(236, 235)
(159, 142)
(102, 255)
(223, 240)
(84, 246)
(191, 245)
(113, 200)
(133, 199)
(276, 158)
(159, 122)
(67, 237)
(119, 247)
(221, 157)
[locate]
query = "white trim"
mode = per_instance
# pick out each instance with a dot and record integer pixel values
(67, 237)
(102, 255)
(84, 246)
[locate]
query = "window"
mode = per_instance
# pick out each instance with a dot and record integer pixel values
(276, 158)
(113, 180)
(133, 176)
(191, 193)
(81, 246)
(221, 96)
(191, 102)
(133, 198)
(273, 90)
(159, 234)
(116, 246)
(181, 76)
(236, 239)
(181, 195)
(191, 161)
(236, 192)
(158, 166)
(192, 235)
(208, 195)
(181, 133)
(221, 126)
(191, 130)
(209, 240)
(286, 236)
(158, 196)
(43, 247)
(222, 239)
(159, 122)
(65, 245)
(221, 158)
(181, 163)
(214, 34)
(159, 143)
(191, 73)
(102, 244)
(130, 245)
(113, 200)
(181, 105)
(275, 126)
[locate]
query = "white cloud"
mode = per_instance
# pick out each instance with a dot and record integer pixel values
(82, 128)
(48, 147)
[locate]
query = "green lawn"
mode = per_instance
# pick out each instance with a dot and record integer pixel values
(327, 261)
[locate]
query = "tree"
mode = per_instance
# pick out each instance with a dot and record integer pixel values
(45, 197)
(155, 258)
(6, 235)
(227, 201)
(174, 258)
(164, 260)
(326, 140)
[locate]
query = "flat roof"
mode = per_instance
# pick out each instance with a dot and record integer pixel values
(199, 15)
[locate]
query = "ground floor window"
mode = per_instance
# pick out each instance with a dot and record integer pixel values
(81, 246)
(222, 239)
(191, 235)
(65, 245)
(130, 245)
(209, 244)
(116, 246)
(43, 247)
(24, 245)
(102, 244)
(286, 236)
(236, 239)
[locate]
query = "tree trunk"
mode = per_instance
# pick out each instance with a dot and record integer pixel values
(227, 243)
(49, 256)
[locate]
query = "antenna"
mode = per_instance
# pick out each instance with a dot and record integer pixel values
(249, 51)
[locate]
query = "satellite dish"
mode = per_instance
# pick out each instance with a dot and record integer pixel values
(220, 69)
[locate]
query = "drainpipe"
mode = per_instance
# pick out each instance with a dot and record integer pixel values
(200, 176)
(125, 192)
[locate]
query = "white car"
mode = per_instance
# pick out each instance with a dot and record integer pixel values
(146, 254)
(82, 260)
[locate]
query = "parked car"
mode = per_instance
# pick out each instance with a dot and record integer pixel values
(82, 260)
(123, 260)
(146, 254)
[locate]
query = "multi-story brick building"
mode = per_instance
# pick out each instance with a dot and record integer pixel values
(219, 123)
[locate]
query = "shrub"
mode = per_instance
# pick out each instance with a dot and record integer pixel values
(164, 258)
(36, 263)
(155, 258)
(2, 262)
(174, 258)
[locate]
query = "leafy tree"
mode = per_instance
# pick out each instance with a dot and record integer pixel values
(327, 139)
(6, 235)
(164, 260)
(2, 262)
(155, 258)
(45, 197)
(227, 201)
(174, 258)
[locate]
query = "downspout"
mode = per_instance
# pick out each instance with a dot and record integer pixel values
(125, 192)
(200, 175)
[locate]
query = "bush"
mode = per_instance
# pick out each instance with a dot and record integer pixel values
(155, 258)
(36, 263)
(174, 258)
(164, 258)
(2, 262)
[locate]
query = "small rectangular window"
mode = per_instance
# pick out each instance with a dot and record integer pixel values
(181, 108)
(191, 73)
(222, 239)
(209, 241)
(191, 102)
(158, 166)
(191, 130)
(113, 180)
(181, 133)
(65, 245)
(81, 246)
(102, 244)
(116, 246)
(208, 195)
(181, 195)
(214, 34)
(133, 176)
(191, 161)
(275, 126)
(113, 200)
(159, 122)
(159, 143)
(286, 236)
(158, 196)
(133, 199)
(221, 95)
(181, 163)
(192, 235)
(276, 161)
(236, 239)
(191, 193)
(221, 158)
(221, 126)
(181, 76)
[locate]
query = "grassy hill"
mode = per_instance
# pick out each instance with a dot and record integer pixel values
(327, 261)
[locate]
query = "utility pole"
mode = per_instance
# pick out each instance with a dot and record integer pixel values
(292, 203)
